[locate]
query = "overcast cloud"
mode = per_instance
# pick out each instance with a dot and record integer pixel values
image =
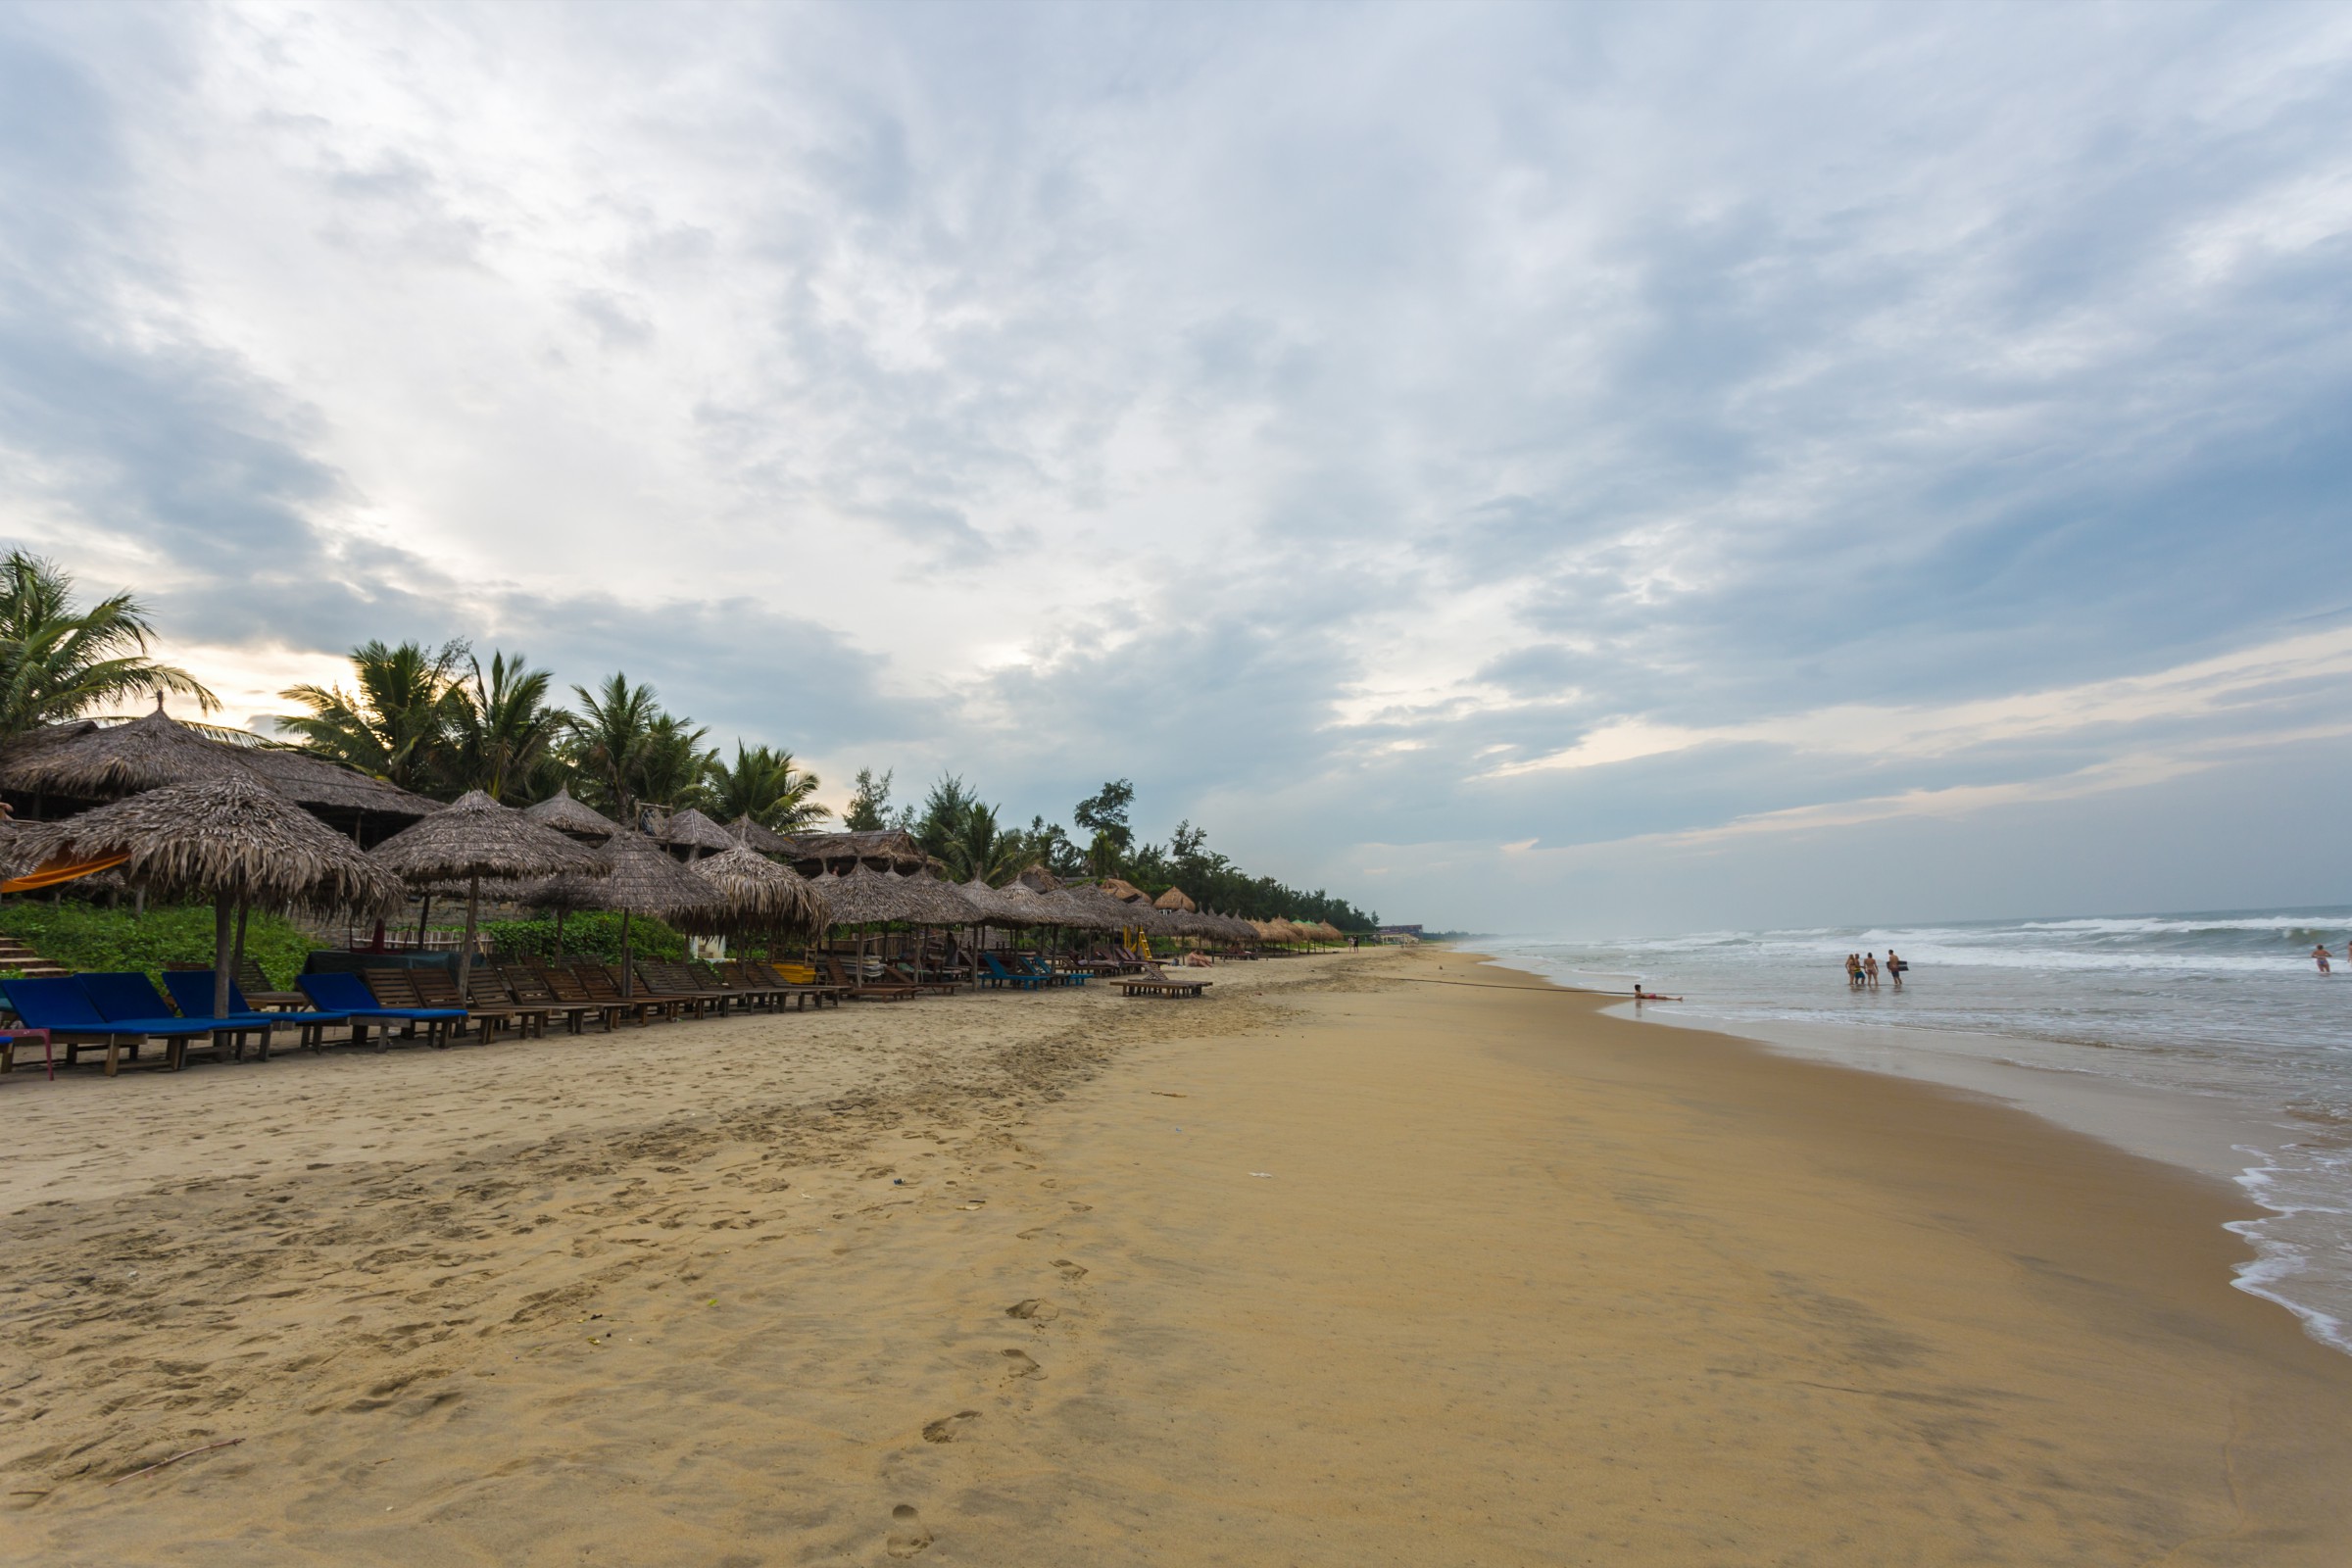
(1523, 467)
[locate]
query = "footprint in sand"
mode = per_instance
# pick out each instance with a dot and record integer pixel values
(1070, 1270)
(1021, 1365)
(950, 1428)
(1041, 1311)
(910, 1536)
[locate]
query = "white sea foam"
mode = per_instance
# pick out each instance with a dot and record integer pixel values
(2223, 1007)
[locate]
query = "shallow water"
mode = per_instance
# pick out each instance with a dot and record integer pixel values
(2225, 1007)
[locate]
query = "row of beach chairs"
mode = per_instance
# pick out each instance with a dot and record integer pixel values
(119, 1014)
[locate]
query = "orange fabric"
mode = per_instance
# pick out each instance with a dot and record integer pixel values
(56, 871)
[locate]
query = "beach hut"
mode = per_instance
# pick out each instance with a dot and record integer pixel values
(638, 877)
(763, 840)
(756, 893)
(231, 840)
(565, 815)
(473, 838)
(690, 830)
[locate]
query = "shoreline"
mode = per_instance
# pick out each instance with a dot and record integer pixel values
(2200, 1134)
(1330, 1268)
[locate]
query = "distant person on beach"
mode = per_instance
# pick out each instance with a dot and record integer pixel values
(1894, 969)
(1854, 971)
(1870, 970)
(2319, 953)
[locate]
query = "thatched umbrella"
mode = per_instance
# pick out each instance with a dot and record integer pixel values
(233, 840)
(1174, 899)
(697, 832)
(565, 815)
(106, 762)
(639, 878)
(757, 893)
(765, 840)
(473, 838)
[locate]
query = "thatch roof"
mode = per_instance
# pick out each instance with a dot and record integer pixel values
(765, 840)
(217, 838)
(475, 836)
(1124, 891)
(1037, 879)
(691, 829)
(565, 815)
(1083, 909)
(999, 905)
(863, 895)
(891, 849)
(84, 760)
(759, 895)
(323, 785)
(1174, 899)
(638, 876)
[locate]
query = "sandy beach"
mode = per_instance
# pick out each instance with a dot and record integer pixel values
(1338, 1266)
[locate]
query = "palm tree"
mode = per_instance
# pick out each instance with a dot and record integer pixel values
(58, 662)
(978, 848)
(501, 728)
(607, 741)
(673, 764)
(397, 725)
(767, 786)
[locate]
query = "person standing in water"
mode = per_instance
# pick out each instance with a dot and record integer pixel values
(1894, 969)
(1870, 970)
(2319, 956)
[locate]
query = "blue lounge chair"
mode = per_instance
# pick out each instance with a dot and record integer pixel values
(126, 995)
(997, 977)
(61, 1006)
(348, 995)
(192, 991)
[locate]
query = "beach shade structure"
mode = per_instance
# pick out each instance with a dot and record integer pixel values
(233, 841)
(1037, 879)
(1174, 899)
(473, 838)
(937, 902)
(1123, 889)
(639, 878)
(765, 840)
(565, 815)
(86, 761)
(694, 833)
(756, 893)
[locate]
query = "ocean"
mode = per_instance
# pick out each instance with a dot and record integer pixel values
(2208, 1039)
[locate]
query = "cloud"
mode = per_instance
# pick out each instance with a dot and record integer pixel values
(1500, 425)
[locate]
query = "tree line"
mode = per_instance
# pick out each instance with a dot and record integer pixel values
(440, 722)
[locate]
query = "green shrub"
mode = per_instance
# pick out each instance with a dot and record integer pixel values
(82, 936)
(591, 934)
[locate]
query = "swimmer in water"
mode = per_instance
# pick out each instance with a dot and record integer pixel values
(2319, 956)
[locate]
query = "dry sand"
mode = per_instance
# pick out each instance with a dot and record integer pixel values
(1334, 1267)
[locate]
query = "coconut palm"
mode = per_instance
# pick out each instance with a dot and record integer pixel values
(979, 849)
(607, 740)
(673, 764)
(58, 662)
(397, 724)
(501, 727)
(767, 786)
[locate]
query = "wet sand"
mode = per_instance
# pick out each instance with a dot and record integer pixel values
(1337, 1266)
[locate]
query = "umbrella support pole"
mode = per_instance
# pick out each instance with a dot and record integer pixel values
(221, 942)
(474, 909)
(236, 953)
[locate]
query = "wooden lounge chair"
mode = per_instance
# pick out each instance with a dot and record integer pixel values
(684, 980)
(922, 987)
(570, 993)
(438, 988)
(876, 991)
(602, 984)
(1153, 981)
(800, 982)
(350, 995)
(745, 988)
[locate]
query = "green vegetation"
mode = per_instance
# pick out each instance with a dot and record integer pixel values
(594, 934)
(58, 662)
(83, 935)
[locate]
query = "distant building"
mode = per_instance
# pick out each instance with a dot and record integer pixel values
(1401, 931)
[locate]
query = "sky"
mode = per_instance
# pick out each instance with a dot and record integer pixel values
(1598, 470)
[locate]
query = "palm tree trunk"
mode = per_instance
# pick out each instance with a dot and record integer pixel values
(473, 907)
